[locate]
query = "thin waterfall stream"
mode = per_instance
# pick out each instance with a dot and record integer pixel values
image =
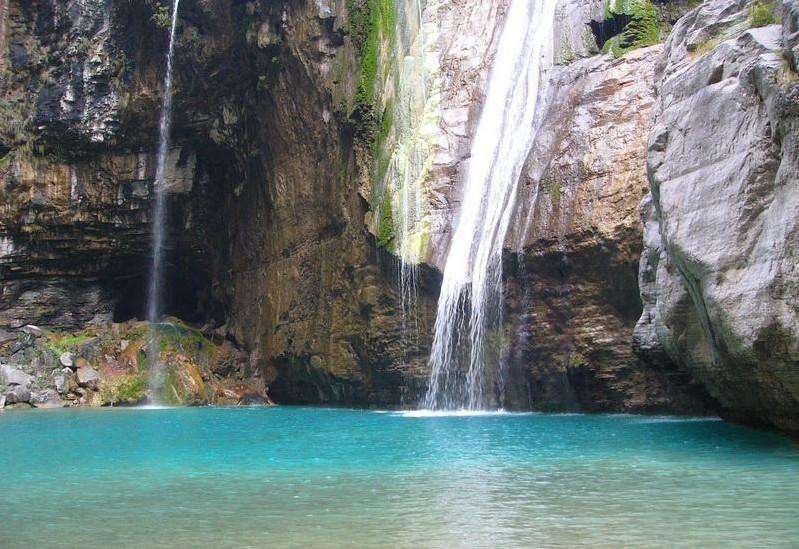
(154, 294)
(466, 370)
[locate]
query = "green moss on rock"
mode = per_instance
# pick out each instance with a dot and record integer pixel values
(126, 390)
(762, 14)
(372, 23)
(642, 30)
(385, 228)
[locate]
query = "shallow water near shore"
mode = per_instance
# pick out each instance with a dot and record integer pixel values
(276, 477)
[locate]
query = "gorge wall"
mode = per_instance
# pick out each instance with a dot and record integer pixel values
(718, 275)
(318, 141)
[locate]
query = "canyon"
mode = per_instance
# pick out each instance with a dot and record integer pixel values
(315, 181)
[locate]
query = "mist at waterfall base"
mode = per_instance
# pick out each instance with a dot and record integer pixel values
(159, 217)
(465, 360)
(280, 477)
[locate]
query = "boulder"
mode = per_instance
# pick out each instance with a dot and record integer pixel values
(14, 377)
(17, 394)
(88, 377)
(62, 379)
(66, 360)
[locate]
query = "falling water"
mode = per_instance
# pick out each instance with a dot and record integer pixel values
(464, 361)
(154, 294)
(410, 99)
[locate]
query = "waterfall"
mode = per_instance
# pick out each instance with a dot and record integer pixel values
(465, 361)
(154, 295)
(409, 165)
(409, 99)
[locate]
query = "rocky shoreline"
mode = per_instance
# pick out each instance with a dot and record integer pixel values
(108, 365)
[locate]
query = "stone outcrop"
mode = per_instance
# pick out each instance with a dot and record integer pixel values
(572, 298)
(718, 275)
(110, 365)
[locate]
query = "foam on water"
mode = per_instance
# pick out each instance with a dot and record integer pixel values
(459, 413)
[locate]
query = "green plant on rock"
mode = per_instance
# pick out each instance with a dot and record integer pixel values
(762, 14)
(125, 390)
(162, 17)
(178, 338)
(642, 30)
(60, 344)
(385, 228)
(577, 360)
(371, 23)
(705, 47)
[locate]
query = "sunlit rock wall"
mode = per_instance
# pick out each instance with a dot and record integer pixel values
(719, 272)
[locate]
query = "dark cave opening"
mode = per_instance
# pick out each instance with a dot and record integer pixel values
(182, 296)
(608, 28)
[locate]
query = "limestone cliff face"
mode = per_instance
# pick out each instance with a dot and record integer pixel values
(572, 254)
(718, 275)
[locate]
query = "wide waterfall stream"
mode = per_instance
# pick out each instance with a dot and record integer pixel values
(159, 214)
(465, 362)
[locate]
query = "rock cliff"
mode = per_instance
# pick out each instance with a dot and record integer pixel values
(314, 183)
(718, 275)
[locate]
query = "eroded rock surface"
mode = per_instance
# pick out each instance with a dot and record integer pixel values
(719, 273)
(572, 297)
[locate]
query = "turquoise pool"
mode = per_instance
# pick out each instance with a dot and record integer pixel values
(298, 477)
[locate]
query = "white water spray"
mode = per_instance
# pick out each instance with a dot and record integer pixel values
(154, 294)
(464, 361)
(410, 101)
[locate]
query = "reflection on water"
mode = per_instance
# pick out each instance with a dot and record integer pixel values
(311, 477)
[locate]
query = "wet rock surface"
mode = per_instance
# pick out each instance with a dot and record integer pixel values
(571, 292)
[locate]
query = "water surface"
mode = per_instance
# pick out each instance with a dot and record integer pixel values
(303, 477)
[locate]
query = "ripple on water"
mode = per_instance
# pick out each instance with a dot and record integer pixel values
(277, 477)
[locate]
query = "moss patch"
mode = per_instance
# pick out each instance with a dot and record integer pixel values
(385, 228)
(642, 30)
(127, 390)
(65, 343)
(762, 14)
(372, 23)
